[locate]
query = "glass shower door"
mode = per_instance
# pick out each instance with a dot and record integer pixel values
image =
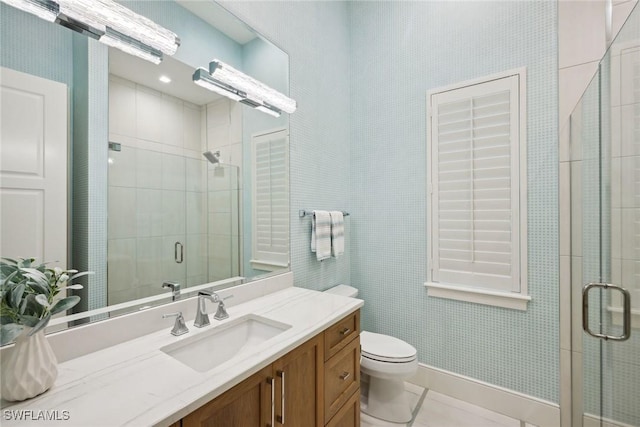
(605, 237)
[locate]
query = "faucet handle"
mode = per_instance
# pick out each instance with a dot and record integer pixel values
(221, 313)
(179, 328)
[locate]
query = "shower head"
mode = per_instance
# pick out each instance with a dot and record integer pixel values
(214, 158)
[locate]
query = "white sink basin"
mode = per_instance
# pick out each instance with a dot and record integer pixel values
(207, 350)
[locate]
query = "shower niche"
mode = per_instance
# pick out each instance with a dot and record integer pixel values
(175, 163)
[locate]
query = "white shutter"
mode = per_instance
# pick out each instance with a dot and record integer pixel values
(475, 185)
(270, 234)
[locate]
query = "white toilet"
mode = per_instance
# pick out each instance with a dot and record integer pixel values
(386, 361)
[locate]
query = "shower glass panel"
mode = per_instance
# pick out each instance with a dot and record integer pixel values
(171, 218)
(605, 236)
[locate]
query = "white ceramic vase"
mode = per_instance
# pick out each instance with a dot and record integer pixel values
(29, 369)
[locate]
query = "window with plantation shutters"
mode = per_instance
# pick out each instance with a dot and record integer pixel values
(270, 200)
(476, 194)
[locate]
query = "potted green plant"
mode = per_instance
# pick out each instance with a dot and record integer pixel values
(30, 293)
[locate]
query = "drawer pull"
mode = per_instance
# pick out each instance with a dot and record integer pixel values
(345, 331)
(345, 375)
(280, 418)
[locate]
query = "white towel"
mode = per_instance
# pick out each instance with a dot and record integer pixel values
(337, 233)
(321, 234)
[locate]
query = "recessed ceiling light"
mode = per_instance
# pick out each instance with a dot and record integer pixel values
(165, 79)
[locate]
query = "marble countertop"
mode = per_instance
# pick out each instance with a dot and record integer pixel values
(135, 384)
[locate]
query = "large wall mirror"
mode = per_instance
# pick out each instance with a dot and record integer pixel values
(160, 179)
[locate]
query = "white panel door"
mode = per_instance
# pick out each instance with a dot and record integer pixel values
(33, 167)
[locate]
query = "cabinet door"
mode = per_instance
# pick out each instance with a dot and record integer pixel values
(349, 414)
(246, 405)
(299, 385)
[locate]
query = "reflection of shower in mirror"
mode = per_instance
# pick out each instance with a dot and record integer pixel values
(214, 158)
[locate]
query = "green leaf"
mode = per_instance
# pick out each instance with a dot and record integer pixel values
(42, 300)
(83, 273)
(65, 304)
(30, 321)
(9, 332)
(41, 324)
(5, 320)
(10, 277)
(16, 295)
(33, 308)
(74, 286)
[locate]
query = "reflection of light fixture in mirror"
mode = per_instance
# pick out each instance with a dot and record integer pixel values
(108, 22)
(255, 90)
(165, 79)
(201, 77)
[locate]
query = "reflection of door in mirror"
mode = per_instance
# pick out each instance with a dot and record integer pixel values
(33, 168)
(173, 214)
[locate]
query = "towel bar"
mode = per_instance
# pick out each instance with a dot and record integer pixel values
(302, 213)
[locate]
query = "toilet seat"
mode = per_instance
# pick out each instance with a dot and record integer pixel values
(384, 348)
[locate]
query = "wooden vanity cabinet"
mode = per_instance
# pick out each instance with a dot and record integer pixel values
(315, 384)
(248, 404)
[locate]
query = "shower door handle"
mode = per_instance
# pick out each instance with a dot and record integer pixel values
(178, 252)
(626, 312)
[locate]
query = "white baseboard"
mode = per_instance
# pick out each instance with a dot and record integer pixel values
(497, 399)
(590, 420)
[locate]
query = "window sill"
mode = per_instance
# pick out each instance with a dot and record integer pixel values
(479, 296)
(268, 265)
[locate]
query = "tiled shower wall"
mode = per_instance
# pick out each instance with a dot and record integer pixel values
(163, 193)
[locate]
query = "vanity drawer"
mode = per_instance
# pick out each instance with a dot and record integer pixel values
(341, 378)
(339, 335)
(349, 414)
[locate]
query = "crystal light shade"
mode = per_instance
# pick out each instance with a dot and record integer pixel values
(110, 14)
(107, 21)
(256, 90)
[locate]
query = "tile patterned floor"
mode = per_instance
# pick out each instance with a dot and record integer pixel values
(432, 409)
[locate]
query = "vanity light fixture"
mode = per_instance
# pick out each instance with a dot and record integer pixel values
(256, 91)
(107, 21)
(202, 78)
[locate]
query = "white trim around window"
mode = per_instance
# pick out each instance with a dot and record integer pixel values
(476, 191)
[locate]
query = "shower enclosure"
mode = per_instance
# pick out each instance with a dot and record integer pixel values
(605, 239)
(173, 204)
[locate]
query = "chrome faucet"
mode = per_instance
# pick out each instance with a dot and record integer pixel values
(179, 328)
(202, 318)
(175, 289)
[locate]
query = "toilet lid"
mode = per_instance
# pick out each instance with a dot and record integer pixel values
(385, 348)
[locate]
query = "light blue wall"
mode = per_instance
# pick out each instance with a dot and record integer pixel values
(199, 41)
(360, 72)
(31, 45)
(316, 37)
(399, 51)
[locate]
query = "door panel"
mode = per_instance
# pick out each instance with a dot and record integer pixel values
(605, 214)
(33, 167)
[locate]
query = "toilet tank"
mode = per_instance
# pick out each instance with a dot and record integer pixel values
(344, 290)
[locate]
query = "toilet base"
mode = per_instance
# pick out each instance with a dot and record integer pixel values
(386, 400)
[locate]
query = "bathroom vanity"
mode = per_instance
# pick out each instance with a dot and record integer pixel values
(307, 374)
(317, 383)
